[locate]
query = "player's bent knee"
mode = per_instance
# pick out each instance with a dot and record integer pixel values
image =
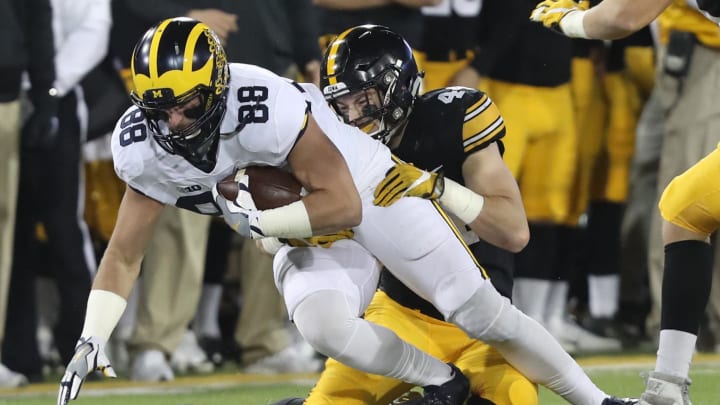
(488, 316)
(522, 392)
(326, 322)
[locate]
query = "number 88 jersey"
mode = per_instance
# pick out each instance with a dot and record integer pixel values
(265, 116)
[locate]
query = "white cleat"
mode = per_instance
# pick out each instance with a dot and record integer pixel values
(296, 358)
(575, 338)
(665, 389)
(189, 356)
(151, 366)
(11, 379)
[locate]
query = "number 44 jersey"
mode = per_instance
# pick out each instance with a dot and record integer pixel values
(266, 115)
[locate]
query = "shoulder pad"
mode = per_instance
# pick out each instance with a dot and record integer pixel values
(481, 122)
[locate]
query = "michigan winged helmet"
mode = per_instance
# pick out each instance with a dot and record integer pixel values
(176, 61)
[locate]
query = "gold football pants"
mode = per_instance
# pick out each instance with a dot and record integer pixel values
(438, 74)
(490, 375)
(540, 145)
(612, 170)
(692, 199)
(590, 116)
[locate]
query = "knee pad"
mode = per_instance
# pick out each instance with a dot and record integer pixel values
(325, 321)
(487, 316)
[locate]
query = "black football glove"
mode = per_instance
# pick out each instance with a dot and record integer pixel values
(40, 130)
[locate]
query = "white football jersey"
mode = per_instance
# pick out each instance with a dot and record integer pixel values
(275, 111)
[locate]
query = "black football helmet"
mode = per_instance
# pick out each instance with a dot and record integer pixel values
(176, 61)
(372, 56)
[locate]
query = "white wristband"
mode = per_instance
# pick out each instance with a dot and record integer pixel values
(290, 221)
(461, 201)
(572, 24)
(104, 309)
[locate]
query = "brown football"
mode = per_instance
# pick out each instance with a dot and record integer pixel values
(269, 186)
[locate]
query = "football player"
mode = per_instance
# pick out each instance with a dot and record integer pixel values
(610, 19)
(691, 213)
(459, 130)
(607, 120)
(197, 118)
(688, 212)
(456, 130)
(449, 38)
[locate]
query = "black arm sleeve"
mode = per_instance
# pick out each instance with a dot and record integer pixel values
(498, 28)
(304, 20)
(41, 48)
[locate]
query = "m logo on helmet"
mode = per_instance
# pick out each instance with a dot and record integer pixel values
(159, 96)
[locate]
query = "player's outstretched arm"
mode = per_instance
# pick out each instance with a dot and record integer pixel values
(611, 19)
(116, 276)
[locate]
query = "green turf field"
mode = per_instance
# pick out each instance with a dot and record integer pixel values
(616, 375)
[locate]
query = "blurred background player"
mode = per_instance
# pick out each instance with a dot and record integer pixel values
(448, 43)
(27, 47)
(689, 64)
(527, 73)
(625, 80)
(54, 167)
(402, 16)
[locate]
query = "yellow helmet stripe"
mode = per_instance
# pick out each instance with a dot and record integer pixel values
(333, 54)
(190, 46)
(154, 48)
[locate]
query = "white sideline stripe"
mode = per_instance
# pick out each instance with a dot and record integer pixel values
(702, 363)
(158, 388)
(179, 385)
